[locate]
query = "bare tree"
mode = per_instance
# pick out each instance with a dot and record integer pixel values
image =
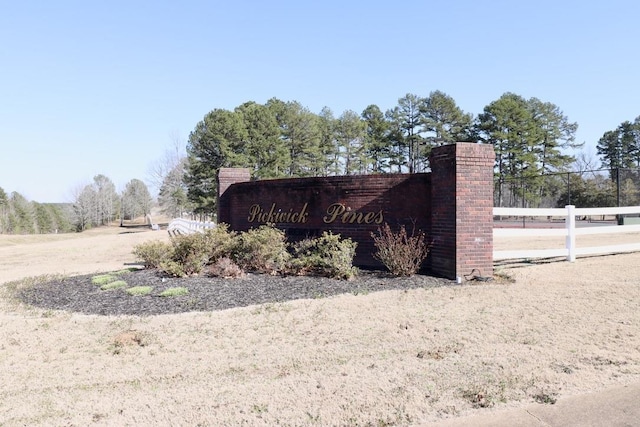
(586, 160)
(136, 200)
(84, 207)
(106, 200)
(173, 156)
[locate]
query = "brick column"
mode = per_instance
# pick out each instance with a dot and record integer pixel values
(227, 177)
(462, 209)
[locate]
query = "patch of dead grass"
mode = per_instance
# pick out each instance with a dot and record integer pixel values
(386, 358)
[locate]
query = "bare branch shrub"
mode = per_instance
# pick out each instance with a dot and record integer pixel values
(400, 253)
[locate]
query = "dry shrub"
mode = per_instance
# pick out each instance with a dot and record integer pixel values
(128, 338)
(400, 253)
(226, 268)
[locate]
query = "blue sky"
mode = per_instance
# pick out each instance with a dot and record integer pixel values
(91, 88)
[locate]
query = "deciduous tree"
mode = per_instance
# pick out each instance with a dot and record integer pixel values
(136, 200)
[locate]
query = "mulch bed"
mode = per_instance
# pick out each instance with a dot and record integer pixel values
(78, 294)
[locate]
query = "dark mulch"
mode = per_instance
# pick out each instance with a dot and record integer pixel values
(78, 294)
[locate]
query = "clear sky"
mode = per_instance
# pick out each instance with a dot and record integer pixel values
(105, 87)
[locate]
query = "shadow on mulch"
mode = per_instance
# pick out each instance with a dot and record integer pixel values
(79, 294)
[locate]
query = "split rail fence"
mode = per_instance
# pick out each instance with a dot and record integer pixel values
(570, 231)
(182, 226)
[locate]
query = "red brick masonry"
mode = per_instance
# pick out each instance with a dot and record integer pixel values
(453, 205)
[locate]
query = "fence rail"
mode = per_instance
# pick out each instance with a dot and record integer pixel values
(570, 231)
(183, 226)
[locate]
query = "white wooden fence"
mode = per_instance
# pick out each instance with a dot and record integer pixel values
(185, 226)
(570, 231)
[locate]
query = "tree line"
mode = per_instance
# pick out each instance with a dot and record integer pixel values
(278, 139)
(620, 147)
(98, 203)
(284, 139)
(20, 216)
(94, 205)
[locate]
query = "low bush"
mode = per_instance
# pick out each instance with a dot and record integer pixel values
(262, 249)
(153, 254)
(327, 255)
(400, 253)
(189, 256)
(220, 242)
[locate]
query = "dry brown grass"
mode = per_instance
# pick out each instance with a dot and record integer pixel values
(387, 358)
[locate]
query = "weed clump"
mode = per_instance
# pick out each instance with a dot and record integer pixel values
(174, 292)
(400, 253)
(114, 285)
(103, 279)
(140, 290)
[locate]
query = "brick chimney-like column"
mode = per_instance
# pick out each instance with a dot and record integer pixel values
(462, 210)
(227, 177)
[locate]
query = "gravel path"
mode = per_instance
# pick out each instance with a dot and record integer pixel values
(78, 294)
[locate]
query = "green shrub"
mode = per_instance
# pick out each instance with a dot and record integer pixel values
(173, 292)
(262, 249)
(173, 268)
(189, 256)
(400, 253)
(327, 255)
(220, 242)
(153, 253)
(114, 285)
(140, 290)
(103, 279)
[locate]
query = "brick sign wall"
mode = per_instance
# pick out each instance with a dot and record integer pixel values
(453, 205)
(352, 206)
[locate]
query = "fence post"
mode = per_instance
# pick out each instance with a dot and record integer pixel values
(571, 233)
